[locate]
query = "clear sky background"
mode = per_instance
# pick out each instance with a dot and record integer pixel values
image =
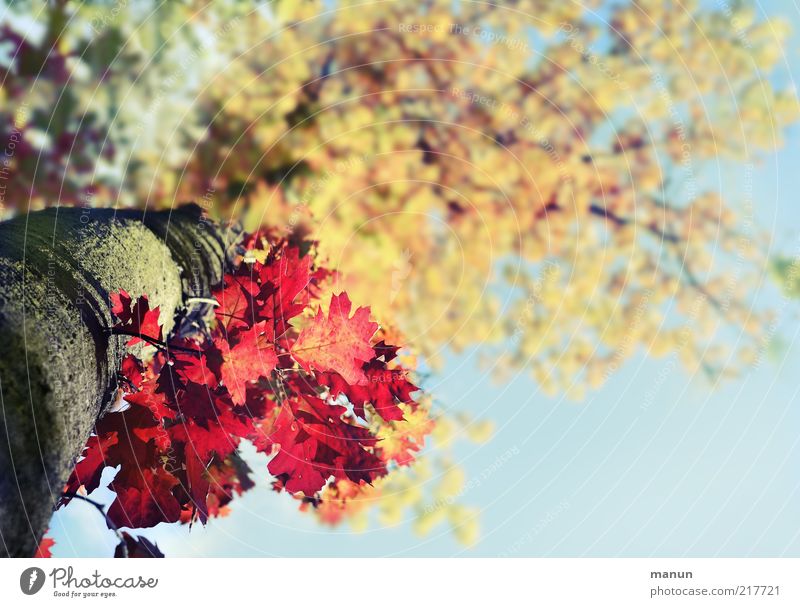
(695, 472)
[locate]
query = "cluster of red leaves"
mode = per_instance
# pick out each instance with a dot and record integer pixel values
(270, 371)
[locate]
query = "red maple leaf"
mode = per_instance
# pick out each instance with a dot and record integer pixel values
(135, 319)
(315, 442)
(284, 285)
(148, 502)
(88, 470)
(337, 342)
(43, 550)
(130, 371)
(126, 439)
(385, 388)
(158, 404)
(235, 299)
(198, 369)
(248, 359)
(210, 425)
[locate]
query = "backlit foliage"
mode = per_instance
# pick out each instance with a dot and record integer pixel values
(532, 176)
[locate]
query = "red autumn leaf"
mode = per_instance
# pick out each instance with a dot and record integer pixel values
(87, 471)
(385, 389)
(156, 403)
(43, 550)
(235, 299)
(197, 481)
(184, 368)
(284, 288)
(296, 463)
(136, 319)
(216, 434)
(337, 342)
(147, 503)
(193, 368)
(125, 439)
(137, 430)
(131, 372)
(250, 358)
(315, 443)
(198, 403)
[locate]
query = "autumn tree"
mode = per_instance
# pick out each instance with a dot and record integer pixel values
(535, 172)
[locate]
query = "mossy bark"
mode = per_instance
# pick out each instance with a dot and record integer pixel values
(58, 361)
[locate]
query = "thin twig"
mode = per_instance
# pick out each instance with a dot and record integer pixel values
(109, 522)
(155, 342)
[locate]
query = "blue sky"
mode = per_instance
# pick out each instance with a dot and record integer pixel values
(695, 472)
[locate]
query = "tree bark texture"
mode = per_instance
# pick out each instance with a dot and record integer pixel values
(58, 361)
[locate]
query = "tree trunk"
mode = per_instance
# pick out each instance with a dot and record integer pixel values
(58, 361)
